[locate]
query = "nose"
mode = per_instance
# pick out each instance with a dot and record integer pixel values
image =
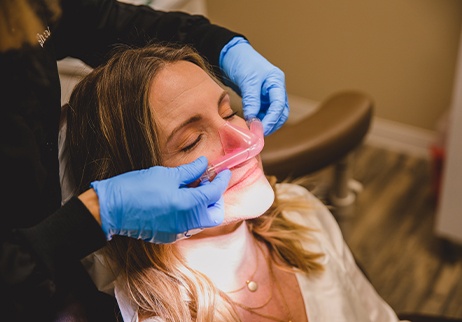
(234, 137)
(239, 145)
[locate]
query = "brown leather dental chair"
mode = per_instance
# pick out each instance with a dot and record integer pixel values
(326, 137)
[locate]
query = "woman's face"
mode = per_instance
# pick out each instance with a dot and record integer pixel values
(189, 108)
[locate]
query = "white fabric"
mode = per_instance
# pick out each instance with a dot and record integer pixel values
(341, 293)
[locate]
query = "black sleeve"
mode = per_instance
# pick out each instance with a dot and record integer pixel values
(40, 265)
(59, 239)
(89, 29)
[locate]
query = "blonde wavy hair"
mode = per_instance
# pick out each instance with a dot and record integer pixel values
(111, 130)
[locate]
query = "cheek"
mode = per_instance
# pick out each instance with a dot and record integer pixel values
(210, 154)
(210, 147)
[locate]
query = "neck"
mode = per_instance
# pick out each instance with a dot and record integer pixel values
(228, 260)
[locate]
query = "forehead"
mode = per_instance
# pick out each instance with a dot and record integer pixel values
(180, 90)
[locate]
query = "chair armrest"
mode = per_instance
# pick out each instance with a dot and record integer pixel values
(338, 126)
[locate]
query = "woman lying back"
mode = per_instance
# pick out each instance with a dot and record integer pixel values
(279, 254)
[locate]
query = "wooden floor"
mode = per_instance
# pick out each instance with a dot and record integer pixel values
(391, 234)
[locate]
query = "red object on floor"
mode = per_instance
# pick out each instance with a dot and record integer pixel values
(438, 157)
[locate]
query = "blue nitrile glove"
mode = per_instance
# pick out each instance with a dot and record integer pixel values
(156, 204)
(260, 84)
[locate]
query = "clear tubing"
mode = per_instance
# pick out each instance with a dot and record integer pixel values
(239, 146)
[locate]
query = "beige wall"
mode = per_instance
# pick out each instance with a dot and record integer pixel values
(402, 52)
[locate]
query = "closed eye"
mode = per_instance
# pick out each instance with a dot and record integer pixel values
(192, 145)
(230, 116)
(197, 140)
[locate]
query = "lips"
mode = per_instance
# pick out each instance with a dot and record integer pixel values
(245, 173)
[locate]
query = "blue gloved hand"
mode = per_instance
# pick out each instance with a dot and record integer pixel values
(260, 84)
(156, 204)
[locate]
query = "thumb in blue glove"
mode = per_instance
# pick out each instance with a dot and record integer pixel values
(157, 205)
(260, 84)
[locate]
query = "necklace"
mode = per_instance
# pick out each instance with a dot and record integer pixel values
(251, 285)
(286, 306)
(252, 310)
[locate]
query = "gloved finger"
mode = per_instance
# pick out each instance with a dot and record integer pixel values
(210, 192)
(251, 102)
(215, 214)
(278, 111)
(192, 171)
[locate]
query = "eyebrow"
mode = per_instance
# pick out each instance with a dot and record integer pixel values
(195, 118)
(222, 96)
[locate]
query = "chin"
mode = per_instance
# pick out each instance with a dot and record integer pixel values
(249, 198)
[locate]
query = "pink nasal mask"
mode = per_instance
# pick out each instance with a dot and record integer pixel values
(239, 145)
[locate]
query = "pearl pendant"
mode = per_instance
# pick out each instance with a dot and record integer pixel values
(252, 286)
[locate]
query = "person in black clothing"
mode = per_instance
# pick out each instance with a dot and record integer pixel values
(42, 241)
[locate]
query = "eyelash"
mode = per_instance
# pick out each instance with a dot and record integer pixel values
(192, 145)
(230, 116)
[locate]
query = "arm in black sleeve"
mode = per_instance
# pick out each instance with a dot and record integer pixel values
(59, 237)
(89, 29)
(41, 243)
(36, 262)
